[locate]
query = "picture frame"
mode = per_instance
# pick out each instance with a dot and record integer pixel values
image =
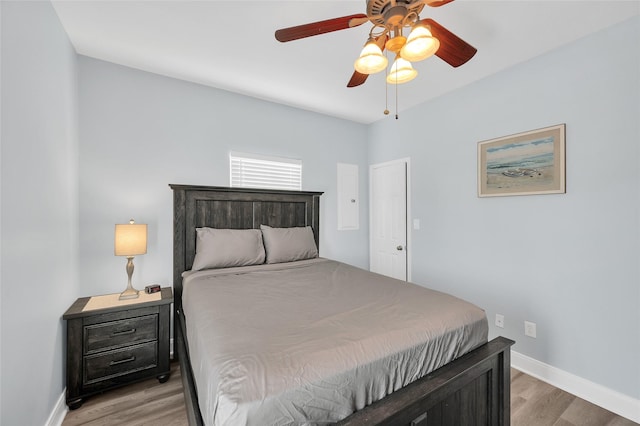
(526, 163)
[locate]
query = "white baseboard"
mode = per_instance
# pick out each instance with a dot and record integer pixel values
(611, 400)
(59, 411)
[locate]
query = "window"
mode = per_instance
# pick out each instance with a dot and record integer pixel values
(258, 171)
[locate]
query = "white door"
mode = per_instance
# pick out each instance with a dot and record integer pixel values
(388, 219)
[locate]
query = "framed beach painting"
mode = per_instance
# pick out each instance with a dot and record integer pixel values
(523, 164)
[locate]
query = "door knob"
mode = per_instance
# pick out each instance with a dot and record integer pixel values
(399, 248)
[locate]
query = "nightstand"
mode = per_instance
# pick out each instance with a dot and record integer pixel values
(113, 342)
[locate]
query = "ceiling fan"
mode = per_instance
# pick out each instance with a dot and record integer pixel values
(389, 19)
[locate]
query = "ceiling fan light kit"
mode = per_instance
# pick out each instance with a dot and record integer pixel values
(389, 19)
(419, 46)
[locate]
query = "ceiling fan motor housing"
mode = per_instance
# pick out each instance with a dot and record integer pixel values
(391, 13)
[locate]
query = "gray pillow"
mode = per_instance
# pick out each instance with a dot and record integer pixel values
(288, 244)
(224, 248)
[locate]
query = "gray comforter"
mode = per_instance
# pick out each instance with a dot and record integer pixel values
(310, 342)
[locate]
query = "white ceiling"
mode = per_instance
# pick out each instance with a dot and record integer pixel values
(230, 45)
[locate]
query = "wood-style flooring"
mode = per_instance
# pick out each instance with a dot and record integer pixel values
(143, 403)
(533, 403)
(536, 403)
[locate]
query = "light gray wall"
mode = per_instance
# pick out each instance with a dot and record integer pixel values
(39, 208)
(140, 132)
(568, 262)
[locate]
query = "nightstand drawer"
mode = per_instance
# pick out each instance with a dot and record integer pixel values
(115, 334)
(119, 362)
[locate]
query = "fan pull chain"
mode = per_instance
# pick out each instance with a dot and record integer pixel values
(396, 98)
(386, 89)
(386, 99)
(396, 95)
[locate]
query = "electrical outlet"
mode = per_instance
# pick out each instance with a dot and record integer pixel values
(530, 329)
(500, 320)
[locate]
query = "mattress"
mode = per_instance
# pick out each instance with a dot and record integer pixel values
(311, 342)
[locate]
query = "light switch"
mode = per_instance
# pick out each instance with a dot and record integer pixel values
(416, 223)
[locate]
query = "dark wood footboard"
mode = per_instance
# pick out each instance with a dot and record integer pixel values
(471, 390)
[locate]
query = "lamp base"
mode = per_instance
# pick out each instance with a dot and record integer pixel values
(129, 293)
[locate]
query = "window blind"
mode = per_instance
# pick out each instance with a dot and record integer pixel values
(257, 171)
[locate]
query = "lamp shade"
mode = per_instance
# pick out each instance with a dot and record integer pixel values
(130, 239)
(420, 44)
(401, 72)
(371, 59)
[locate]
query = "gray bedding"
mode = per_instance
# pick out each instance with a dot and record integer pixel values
(310, 342)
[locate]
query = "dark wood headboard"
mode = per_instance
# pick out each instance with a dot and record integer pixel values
(233, 208)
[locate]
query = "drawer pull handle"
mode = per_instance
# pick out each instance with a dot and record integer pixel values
(120, 333)
(122, 361)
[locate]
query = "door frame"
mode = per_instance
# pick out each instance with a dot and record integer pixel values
(408, 222)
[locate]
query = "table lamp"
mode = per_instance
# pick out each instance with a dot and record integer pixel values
(130, 241)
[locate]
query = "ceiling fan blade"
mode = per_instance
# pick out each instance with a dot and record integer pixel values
(358, 20)
(453, 50)
(357, 78)
(437, 3)
(320, 27)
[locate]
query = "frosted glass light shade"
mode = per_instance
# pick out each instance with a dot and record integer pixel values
(371, 59)
(130, 239)
(401, 72)
(420, 45)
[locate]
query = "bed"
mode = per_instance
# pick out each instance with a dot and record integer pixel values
(468, 385)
